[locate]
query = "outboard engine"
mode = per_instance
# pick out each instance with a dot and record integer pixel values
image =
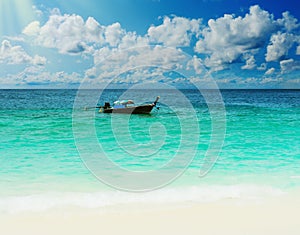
(107, 105)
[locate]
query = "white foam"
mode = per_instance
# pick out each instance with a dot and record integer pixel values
(295, 177)
(47, 201)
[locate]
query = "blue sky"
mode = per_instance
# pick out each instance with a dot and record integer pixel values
(239, 43)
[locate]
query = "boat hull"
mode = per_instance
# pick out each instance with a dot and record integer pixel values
(142, 109)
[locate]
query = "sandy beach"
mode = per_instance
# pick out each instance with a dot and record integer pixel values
(277, 216)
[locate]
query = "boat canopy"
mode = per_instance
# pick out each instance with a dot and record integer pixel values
(123, 102)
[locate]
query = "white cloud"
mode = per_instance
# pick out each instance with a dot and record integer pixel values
(289, 65)
(39, 60)
(298, 50)
(114, 34)
(131, 39)
(288, 21)
(270, 71)
(94, 31)
(280, 43)
(227, 38)
(32, 29)
(196, 64)
(110, 45)
(13, 54)
(250, 62)
(37, 74)
(17, 55)
(62, 32)
(15, 38)
(176, 32)
(91, 73)
(70, 34)
(101, 54)
(269, 80)
(153, 60)
(223, 41)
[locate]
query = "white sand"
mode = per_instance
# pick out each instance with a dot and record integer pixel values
(279, 216)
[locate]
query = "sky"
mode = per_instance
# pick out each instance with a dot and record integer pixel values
(62, 44)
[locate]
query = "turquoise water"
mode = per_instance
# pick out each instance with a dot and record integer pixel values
(41, 167)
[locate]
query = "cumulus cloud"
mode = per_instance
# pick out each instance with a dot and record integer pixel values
(39, 60)
(280, 43)
(71, 34)
(139, 63)
(93, 31)
(113, 34)
(17, 55)
(32, 29)
(252, 40)
(101, 54)
(175, 31)
(68, 33)
(196, 64)
(288, 21)
(62, 32)
(13, 54)
(131, 39)
(227, 38)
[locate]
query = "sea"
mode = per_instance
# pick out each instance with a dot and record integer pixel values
(58, 151)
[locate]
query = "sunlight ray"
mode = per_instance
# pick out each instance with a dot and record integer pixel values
(14, 15)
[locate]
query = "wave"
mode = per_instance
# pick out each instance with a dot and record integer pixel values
(95, 200)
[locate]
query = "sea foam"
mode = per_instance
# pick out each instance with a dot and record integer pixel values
(101, 200)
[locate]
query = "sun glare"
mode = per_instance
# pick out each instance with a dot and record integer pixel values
(14, 15)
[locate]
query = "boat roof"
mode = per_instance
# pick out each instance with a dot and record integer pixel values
(123, 102)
